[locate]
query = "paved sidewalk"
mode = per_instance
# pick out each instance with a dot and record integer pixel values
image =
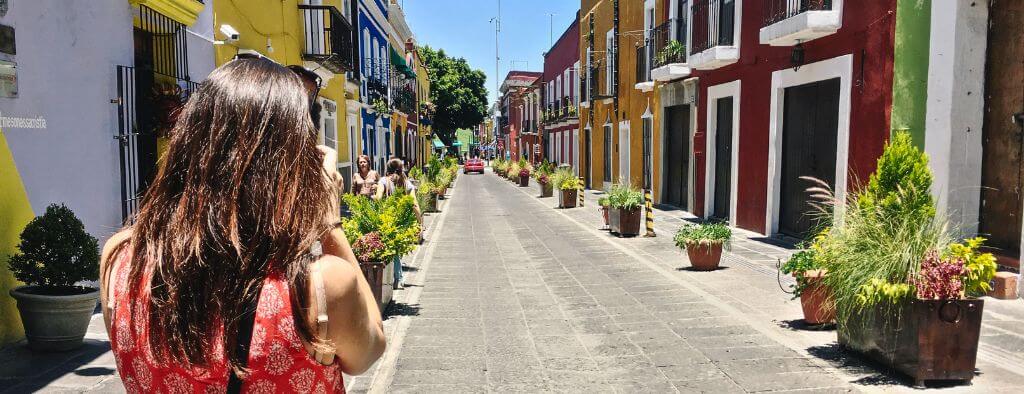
(519, 297)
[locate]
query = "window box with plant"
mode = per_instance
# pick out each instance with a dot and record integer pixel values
(55, 253)
(624, 202)
(904, 290)
(568, 186)
(815, 299)
(380, 106)
(704, 244)
(381, 231)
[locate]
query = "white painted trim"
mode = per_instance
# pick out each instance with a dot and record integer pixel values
(838, 67)
(624, 152)
(803, 27)
(714, 93)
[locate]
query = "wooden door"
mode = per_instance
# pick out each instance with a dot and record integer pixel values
(723, 158)
(1001, 169)
(677, 156)
(810, 125)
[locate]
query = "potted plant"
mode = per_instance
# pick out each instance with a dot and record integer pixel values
(513, 172)
(524, 177)
(672, 52)
(815, 298)
(543, 176)
(55, 253)
(904, 292)
(704, 243)
(380, 231)
(568, 185)
(624, 204)
(602, 204)
(427, 195)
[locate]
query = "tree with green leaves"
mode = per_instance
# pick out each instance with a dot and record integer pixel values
(456, 90)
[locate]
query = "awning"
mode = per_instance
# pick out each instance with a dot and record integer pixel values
(399, 62)
(438, 144)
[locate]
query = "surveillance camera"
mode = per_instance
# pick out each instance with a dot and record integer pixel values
(230, 33)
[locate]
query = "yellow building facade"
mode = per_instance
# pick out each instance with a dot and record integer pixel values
(277, 30)
(617, 116)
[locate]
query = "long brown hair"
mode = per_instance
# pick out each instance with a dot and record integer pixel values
(241, 192)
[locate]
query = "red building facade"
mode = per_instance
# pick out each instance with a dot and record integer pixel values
(515, 92)
(781, 94)
(560, 97)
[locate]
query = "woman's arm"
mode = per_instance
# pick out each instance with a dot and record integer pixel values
(354, 320)
(107, 262)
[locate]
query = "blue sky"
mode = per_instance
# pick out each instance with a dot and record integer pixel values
(462, 29)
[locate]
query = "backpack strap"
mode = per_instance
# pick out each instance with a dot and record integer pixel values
(316, 278)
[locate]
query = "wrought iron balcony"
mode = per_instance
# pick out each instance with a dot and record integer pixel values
(790, 22)
(376, 89)
(713, 24)
(329, 37)
(779, 10)
(668, 43)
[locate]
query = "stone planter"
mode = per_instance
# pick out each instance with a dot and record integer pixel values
(624, 222)
(546, 190)
(928, 340)
(381, 277)
(704, 257)
(816, 299)
(567, 198)
(55, 323)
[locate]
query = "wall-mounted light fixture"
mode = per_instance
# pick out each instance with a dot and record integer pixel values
(797, 57)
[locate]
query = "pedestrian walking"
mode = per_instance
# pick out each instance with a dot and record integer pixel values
(235, 275)
(395, 181)
(364, 182)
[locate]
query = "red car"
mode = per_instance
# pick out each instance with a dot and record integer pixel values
(473, 165)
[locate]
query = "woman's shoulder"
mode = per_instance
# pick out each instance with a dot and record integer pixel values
(114, 245)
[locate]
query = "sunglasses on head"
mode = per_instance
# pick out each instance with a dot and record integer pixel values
(310, 80)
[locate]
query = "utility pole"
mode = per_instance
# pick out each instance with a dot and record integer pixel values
(551, 30)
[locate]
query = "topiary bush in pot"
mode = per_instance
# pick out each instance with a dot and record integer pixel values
(55, 253)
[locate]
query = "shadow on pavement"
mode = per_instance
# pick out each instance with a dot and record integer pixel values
(691, 269)
(870, 373)
(801, 325)
(402, 309)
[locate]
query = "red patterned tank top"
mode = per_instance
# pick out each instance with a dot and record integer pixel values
(278, 362)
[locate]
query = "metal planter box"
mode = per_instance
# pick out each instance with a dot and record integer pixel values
(624, 222)
(568, 198)
(928, 340)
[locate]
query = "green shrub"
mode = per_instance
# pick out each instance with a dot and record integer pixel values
(55, 251)
(703, 235)
(393, 218)
(602, 202)
(625, 197)
(901, 184)
(798, 264)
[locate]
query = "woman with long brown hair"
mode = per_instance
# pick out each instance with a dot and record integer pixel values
(364, 181)
(234, 273)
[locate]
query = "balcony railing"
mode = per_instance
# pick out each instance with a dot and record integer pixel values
(668, 43)
(329, 38)
(779, 10)
(376, 89)
(643, 64)
(713, 24)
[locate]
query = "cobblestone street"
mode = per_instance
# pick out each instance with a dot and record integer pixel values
(512, 295)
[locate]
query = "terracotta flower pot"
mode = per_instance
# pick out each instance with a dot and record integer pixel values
(704, 257)
(604, 213)
(816, 299)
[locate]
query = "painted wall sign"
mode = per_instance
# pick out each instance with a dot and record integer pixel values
(9, 122)
(8, 79)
